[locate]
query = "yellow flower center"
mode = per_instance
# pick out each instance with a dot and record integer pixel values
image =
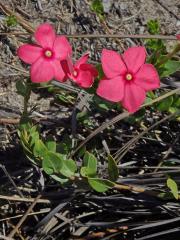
(48, 53)
(129, 77)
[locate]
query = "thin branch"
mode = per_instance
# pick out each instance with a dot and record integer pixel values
(21, 215)
(13, 232)
(121, 117)
(9, 120)
(129, 188)
(19, 199)
(120, 36)
(122, 152)
(30, 29)
(5, 238)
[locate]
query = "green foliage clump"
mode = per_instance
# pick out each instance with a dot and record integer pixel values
(11, 21)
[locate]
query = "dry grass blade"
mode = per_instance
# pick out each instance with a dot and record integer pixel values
(21, 215)
(102, 128)
(121, 117)
(5, 238)
(13, 232)
(121, 152)
(19, 199)
(30, 29)
(93, 36)
(20, 19)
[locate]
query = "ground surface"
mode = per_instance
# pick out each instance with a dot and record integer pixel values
(70, 213)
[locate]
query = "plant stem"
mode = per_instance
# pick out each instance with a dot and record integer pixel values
(169, 55)
(30, 29)
(129, 188)
(26, 99)
(120, 117)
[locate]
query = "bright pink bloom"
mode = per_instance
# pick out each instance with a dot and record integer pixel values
(178, 36)
(45, 57)
(127, 77)
(81, 73)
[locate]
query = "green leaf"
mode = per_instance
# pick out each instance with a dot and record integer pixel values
(11, 21)
(157, 46)
(59, 179)
(34, 137)
(21, 88)
(82, 151)
(90, 165)
(81, 116)
(40, 150)
(100, 71)
(176, 101)
(97, 7)
(52, 163)
(153, 26)
(165, 104)
(173, 187)
(170, 67)
(68, 168)
(112, 169)
(51, 145)
(100, 185)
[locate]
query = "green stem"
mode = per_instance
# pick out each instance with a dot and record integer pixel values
(169, 55)
(26, 100)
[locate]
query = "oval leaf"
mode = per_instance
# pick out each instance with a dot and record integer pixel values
(52, 163)
(100, 185)
(173, 187)
(112, 169)
(90, 162)
(68, 168)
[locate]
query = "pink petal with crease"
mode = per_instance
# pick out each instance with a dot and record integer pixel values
(112, 64)
(41, 71)
(90, 68)
(111, 89)
(45, 35)
(62, 47)
(134, 58)
(147, 77)
(84, 79)
(58, 71)
(29, 53)
(82, 60)
(134, 96)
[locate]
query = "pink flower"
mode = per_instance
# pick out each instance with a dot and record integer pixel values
(127, 77)
(81, 72)
(178, 36)
(46, 55)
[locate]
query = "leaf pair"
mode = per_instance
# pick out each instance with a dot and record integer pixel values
(89, 171)
(56, 163)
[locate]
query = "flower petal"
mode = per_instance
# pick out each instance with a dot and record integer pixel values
(67, 65)
(82, 60)
(45, 35)
(147, 77)
(84, 79)
(134, 58)
(134, 96)
(29, 53)
(42, 71)
(90, 68)
(62, 47)
(112, 63)
(111, 89)
(178, 36)
(58, 71)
